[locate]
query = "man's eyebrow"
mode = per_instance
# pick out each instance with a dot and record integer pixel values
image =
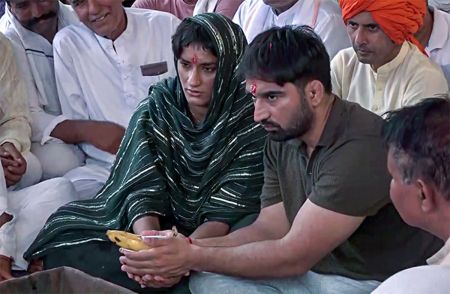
(270, 93)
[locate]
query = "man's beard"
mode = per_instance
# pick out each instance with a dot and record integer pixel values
(297, 127)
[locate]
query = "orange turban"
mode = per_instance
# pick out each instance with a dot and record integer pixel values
(399, 19)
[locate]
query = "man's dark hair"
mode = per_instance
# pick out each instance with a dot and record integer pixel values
(287, 55)
(190, 32)
(419, 137)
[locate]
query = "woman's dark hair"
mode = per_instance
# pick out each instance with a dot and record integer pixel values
(190, 32)
(287, 55)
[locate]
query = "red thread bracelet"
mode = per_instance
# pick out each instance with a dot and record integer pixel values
(189, 240)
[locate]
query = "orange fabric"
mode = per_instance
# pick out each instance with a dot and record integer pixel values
(399, 19)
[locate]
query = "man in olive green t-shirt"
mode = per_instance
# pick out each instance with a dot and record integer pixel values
(326, 224)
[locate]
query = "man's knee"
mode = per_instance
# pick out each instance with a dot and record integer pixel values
(57, 158)
(33, 173)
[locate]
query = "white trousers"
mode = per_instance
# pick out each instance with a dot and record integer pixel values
(30, 208)
(57, 158)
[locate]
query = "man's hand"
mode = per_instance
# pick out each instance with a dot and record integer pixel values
(14, 165)
(5, 268)
(159, 282)
(168, 257)
(106, 136)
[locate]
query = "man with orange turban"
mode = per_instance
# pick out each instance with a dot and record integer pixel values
(387, 68)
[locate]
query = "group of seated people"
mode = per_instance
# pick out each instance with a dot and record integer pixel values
(296, 146)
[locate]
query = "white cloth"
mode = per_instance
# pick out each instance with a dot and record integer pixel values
(324, 16)
(442, 257)
(203, 6)
(35, 58)
(418, 280)
(98, 79)
(440, 4)
(439, 44)
(407, 79)
(30, 208)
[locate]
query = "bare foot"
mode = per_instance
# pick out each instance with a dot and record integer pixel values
(4, 218)
(36, 265)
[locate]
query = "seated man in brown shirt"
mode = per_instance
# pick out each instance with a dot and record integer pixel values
(326, 224)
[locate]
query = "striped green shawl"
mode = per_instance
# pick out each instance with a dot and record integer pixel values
(168, 166)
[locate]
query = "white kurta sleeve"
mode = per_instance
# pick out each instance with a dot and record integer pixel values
(73, 104)
(14, 117)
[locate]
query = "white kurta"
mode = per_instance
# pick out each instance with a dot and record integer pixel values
(324, 16)
(98, 79)
(35, 58)
(30, 208)
(439, 44)
(407, 79)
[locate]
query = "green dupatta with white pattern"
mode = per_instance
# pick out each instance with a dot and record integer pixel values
(168, 166)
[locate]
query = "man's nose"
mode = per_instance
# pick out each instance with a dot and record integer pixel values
(261, 112)
(36, 9)
(360, 36)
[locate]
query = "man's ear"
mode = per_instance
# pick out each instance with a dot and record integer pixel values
(314, 91)
(428, 196)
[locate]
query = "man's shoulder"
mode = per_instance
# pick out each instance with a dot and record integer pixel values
(418, 64)
(13, 36)
(346, 60)
(248, 7)
(329, 8)
(73, 34)
(360, 121)
(154, 17)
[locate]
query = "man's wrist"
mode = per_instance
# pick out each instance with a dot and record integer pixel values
(194, 257)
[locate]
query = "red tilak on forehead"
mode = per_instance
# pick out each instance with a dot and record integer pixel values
(253, 89)
(194, 59)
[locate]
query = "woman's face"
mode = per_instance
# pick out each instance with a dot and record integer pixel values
(197, 71)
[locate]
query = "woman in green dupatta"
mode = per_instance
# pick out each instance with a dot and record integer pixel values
(191, 157)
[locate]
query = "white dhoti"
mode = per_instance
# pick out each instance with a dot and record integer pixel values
(57, 158)
(90, 178)
(30, 208)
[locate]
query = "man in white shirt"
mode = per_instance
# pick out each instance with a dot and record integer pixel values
(418, 160)
(324, 16)
(100, 80)
(385, 69)
(22, 212)
(31, 26)
(435, 36)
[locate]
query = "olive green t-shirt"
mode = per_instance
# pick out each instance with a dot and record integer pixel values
(347, 173)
